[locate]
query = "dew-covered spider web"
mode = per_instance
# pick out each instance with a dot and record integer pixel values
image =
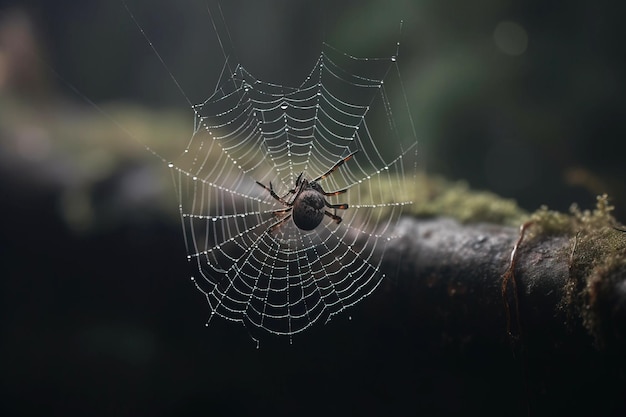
(255, 266)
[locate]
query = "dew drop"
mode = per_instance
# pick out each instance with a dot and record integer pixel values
(393, 58)
(283, 106)
(171, 165)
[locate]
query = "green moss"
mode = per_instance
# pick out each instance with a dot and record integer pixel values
(596, 254)
(550, 222)
(597, 251)
(435, 196)
(576, 221)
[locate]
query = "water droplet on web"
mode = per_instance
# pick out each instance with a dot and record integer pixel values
(283, 106)
(393, 58)
(170, 164)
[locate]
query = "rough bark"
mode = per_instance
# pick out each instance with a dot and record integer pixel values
(453, 274)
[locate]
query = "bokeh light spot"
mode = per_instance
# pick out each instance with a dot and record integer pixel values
(511, 38)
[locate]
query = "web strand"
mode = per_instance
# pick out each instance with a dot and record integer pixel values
(254, 268)
(280, 279)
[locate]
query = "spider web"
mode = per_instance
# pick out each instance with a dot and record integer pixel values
(284, 280)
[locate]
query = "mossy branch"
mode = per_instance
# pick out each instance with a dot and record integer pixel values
(570, 268)
(569, 271)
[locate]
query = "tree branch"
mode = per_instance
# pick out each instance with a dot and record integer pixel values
(569, 271)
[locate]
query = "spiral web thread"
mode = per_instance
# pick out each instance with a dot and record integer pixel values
(285, 280)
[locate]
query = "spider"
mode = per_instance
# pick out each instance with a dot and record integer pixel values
(307, 207)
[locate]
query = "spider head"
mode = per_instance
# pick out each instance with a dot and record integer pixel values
(313, 185)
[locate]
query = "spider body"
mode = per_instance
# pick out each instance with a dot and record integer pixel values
(308, 207)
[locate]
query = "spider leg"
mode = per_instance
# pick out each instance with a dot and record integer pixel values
(334, 192)
(270, 189)
(299, 178)
(283, 210)
(278, 223)
(343, 206)
(336, 218)
(293, 190)
(337, 165)
(286, 195)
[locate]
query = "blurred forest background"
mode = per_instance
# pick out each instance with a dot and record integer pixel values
(523, 98)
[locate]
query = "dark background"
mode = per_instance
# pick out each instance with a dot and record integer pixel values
(103, 320)
(542, 127)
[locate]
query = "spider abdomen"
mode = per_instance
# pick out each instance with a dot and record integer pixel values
(308, 209)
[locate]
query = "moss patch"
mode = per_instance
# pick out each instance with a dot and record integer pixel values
(435, 196)
(597, 266)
